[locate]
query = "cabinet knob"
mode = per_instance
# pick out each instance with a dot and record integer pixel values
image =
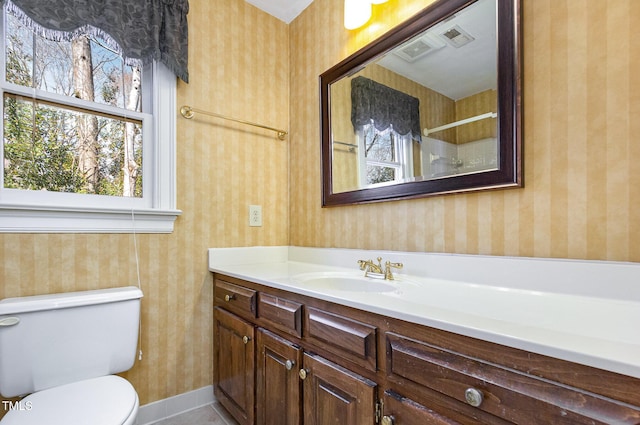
(388, 420)
(303, 374)
(246, 339)
(474, 397)
(289, 364)
(228, 297)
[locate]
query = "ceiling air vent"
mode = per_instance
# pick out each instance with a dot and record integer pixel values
(457, 36)
(415, 49)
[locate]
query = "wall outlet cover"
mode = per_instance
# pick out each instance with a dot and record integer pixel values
(255, 215)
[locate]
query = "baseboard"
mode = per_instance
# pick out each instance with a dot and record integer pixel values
(172, 406)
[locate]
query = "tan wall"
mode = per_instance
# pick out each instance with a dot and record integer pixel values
(479, 103)
(581, 109)
(238, 63)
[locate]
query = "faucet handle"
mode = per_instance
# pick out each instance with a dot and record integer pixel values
(363, 264)
(387, 269)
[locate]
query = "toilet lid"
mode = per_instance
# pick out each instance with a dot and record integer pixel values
(107, 400)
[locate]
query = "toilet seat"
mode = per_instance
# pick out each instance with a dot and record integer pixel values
(107, 400)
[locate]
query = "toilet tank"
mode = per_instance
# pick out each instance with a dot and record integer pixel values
(51, 340)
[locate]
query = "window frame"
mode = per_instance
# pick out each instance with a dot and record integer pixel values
(24, 211)
(404, 156)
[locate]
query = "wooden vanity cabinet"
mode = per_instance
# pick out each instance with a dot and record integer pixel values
(477, 382)
(234, 358)
(335, 395)
(236, 298)
(292, 385)
(402, 410)
(287, 359)
(279, 379)
(339, 334)
(278, 386)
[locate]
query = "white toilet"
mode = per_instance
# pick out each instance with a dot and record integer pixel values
(63, 350)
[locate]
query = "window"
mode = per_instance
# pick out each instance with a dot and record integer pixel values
(386, 121)
(88, 140)
(387, 156)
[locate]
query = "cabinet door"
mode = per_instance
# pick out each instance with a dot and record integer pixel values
(278, 385)
(333, 395)
(234, 365)
(399, 410)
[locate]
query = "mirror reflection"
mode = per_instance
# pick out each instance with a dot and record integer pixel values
(424, 110)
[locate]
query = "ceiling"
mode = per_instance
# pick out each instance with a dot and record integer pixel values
(454, 72)
(285, 10)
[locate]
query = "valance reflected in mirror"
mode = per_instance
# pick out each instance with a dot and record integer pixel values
(431, 107)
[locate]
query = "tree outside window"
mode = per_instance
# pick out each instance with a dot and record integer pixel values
(386, 156)
(63, 141)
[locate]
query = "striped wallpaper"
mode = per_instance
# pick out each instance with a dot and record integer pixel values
(581, 98)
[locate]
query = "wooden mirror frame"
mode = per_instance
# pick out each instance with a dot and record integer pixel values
(509, 173)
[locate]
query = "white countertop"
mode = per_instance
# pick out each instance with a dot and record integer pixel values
(581, 311)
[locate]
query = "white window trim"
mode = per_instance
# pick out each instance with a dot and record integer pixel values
(404, 165)
(23, 217)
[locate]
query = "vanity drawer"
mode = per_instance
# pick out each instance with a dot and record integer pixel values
(505, 393)
(235, 297)
(353, 340)
(282, 313)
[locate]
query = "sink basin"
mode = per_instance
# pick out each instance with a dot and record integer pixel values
(337, 281)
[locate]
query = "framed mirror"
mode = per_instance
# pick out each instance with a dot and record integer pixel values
(431, 107)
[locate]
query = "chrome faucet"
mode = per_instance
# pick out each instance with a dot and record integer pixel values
(374, 270)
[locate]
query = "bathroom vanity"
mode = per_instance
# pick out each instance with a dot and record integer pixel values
(291, 344)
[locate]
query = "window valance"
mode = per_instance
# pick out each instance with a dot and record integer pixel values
(385, 106)
(143, 30)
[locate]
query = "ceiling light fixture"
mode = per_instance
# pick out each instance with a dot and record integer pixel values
(356, 13)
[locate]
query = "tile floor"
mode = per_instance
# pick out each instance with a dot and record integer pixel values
(212, 414)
